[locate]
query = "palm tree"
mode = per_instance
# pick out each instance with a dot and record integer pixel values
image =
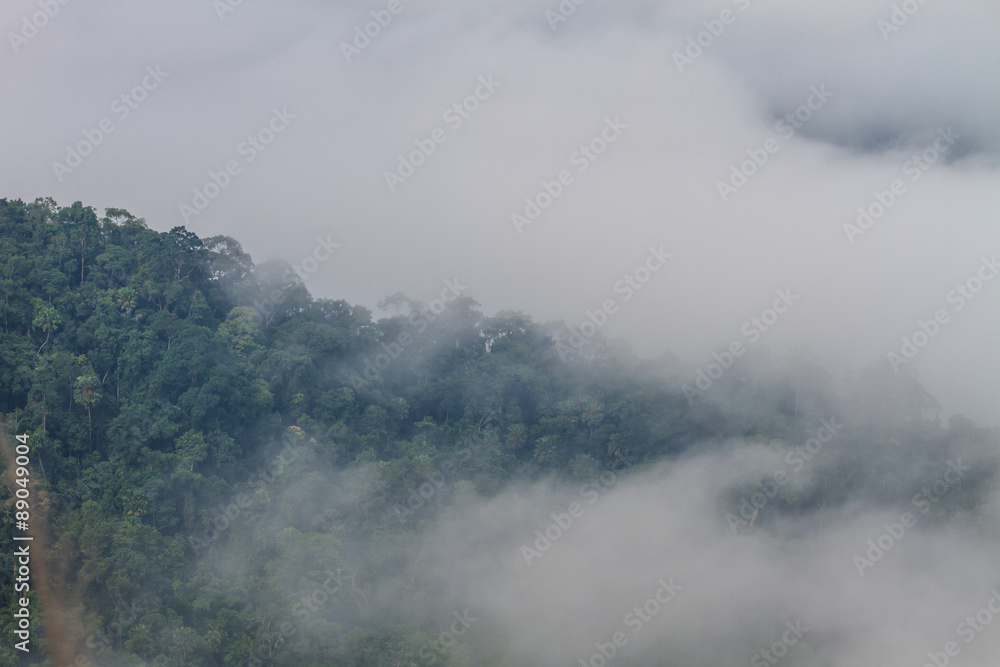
(88, 393)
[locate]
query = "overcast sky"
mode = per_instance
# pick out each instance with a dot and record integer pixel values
(883, 89)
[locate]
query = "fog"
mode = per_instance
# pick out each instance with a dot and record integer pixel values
(737, 586)
(820, 550)
(688, 124)
(796, 181)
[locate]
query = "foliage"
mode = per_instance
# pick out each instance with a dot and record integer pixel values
(225, 455)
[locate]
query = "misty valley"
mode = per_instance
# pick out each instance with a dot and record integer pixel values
(219, 468)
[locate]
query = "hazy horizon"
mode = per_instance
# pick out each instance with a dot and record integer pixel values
(887, 94)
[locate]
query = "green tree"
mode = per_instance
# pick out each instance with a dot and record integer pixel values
(46, 318)
(87, 392)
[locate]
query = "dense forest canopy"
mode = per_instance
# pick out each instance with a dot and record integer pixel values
(234, 472)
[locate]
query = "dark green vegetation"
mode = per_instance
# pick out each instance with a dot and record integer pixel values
(158, 398)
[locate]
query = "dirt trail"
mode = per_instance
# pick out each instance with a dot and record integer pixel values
(50, 590)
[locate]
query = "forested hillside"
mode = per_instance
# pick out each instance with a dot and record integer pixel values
(234, 472)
